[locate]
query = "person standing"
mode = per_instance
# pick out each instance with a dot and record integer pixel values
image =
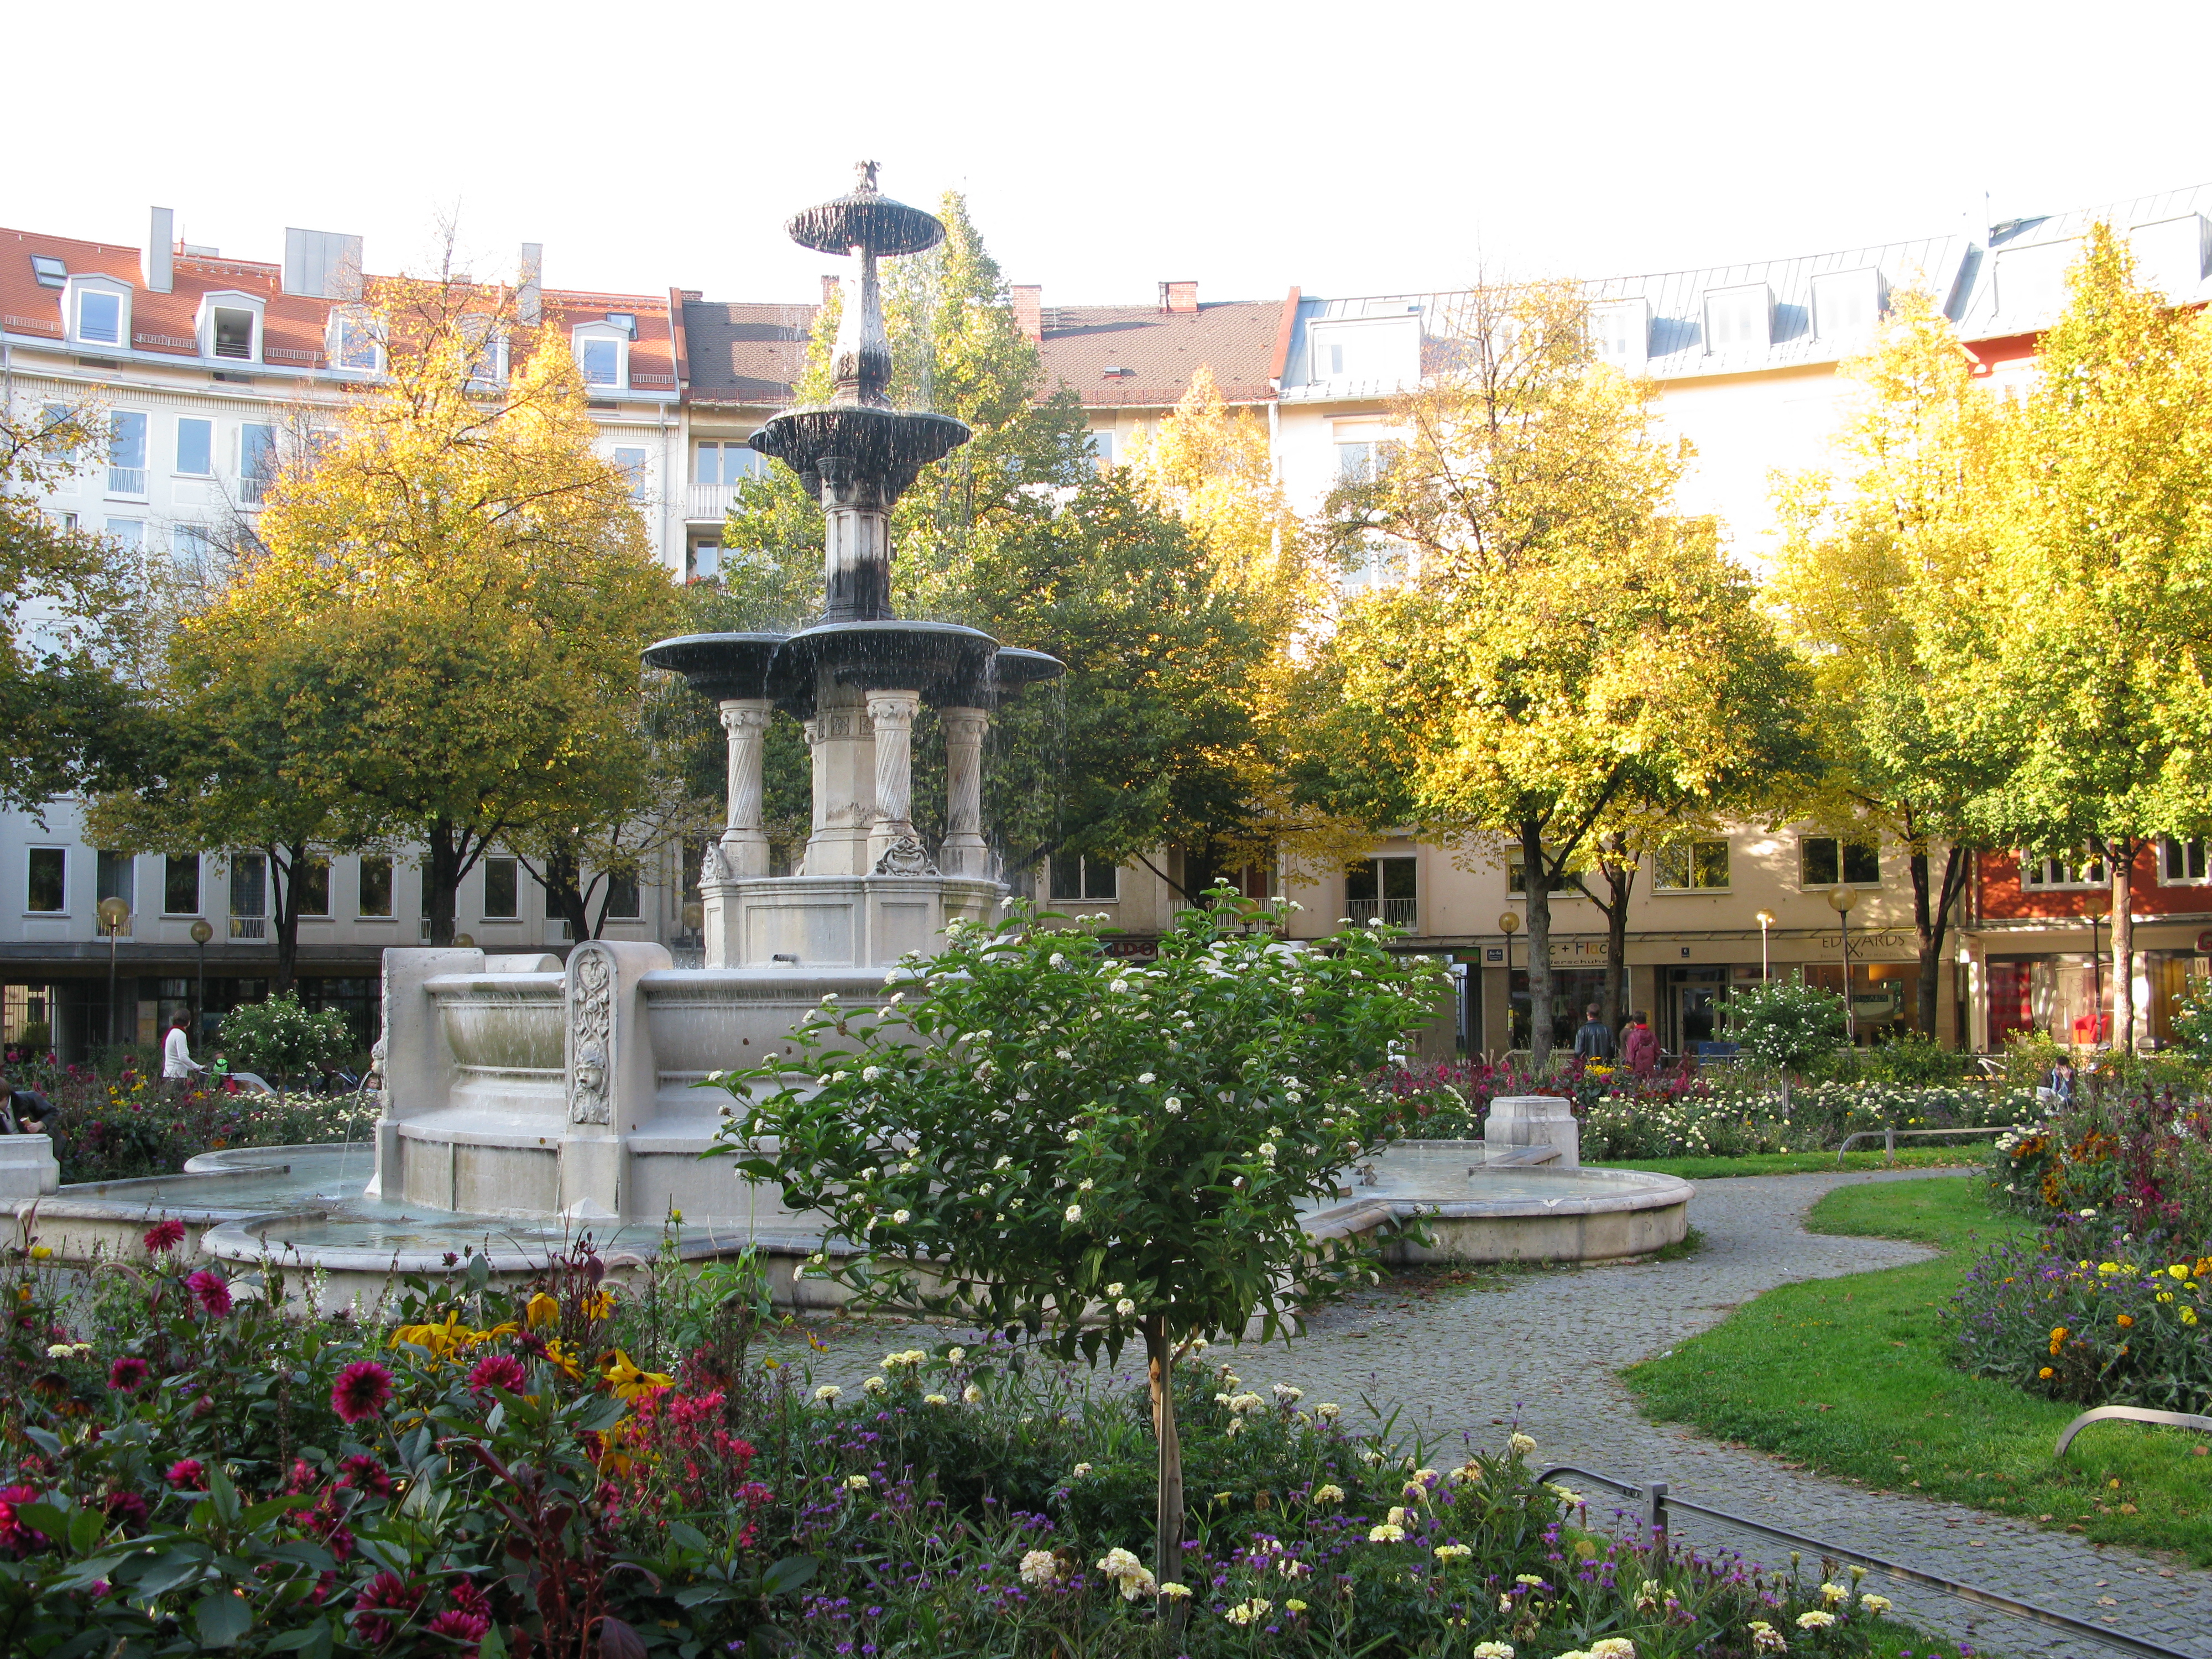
(1594, 1040)
(1639, 1047)
(178, 1066)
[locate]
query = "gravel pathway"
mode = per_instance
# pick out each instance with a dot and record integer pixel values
(1542, 1350)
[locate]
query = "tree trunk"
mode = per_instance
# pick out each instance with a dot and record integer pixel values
(562, 880)
(1539, 893)
(443, 876)
(1931, 922)
(1620, 882)
(2122, 860)
(1167, 1538)
(286, 861)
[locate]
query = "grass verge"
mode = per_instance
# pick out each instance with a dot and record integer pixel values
(1852, 1377)
(1761, 1164)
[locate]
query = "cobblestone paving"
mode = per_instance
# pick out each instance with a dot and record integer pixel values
(1541, 1350)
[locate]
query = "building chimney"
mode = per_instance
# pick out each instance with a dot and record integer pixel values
(832, 286)
(157, 265)
(316, 262)
(530, 284)
(1029, 311)
(1178, 296)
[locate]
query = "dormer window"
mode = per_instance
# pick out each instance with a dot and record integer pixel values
(50, 271)
(353, 342)
(230, 327)
(1620, 334)
(1739, 318)
(602, 355)
(99, 310)
(1846, 304)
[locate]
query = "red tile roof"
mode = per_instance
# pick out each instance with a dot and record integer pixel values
(1158, 351)
(294, 326)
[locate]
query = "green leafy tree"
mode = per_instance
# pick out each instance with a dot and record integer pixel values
(1043, 1137)
(1788, 1026)
(279, 1039)
(67, 613)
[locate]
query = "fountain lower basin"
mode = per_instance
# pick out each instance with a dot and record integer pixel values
(305, 1210)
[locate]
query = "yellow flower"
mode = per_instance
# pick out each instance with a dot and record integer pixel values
(598, 1305)
(562, 1358)
(2045, 1372)
(627, 1382)
(41, 1252)
(541, 1310)
(2189, 1315)
(2124, 1320)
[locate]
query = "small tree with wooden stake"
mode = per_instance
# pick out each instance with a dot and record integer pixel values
(1043, 1137)
(1787, 1026)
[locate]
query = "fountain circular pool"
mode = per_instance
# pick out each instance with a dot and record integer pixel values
(301, 1209)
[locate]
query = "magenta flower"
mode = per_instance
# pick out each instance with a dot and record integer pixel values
(126, 1374)
(365, 1474)
(14, 1537)
(363, 1389)
(125, 1509)
(498, 1371)
(211, 1289)
(165, 1236)
(387, 1593)
(188, 1475)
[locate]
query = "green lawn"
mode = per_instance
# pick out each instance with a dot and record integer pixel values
(1851, 1376)
(1967, 1155)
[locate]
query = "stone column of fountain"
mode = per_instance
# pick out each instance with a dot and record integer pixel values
(963, 852)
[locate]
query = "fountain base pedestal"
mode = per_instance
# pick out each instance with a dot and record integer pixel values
(837, 921)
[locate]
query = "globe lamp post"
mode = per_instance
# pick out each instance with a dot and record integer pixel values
(1841, 898)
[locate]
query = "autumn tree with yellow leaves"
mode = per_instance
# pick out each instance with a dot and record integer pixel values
(1563, 653)
(436, 638)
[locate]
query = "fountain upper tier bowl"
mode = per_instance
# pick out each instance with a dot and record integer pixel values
(860, 446)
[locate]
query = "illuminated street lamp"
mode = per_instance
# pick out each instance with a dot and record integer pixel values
(113, 914)
(1766, 921)
(1842, 898)
(1506, 925)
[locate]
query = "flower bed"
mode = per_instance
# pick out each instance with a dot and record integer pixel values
(184, 1468)
(1685, 1113)
(2109, 1305)
(110, 1128)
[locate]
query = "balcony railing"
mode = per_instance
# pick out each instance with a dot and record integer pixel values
(1393, 912)
(249, 927)
(126, 480)
(709, 503)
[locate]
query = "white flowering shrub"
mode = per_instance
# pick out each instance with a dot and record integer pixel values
(1041, 1136)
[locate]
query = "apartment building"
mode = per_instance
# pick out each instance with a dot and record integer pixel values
(204, 360)
(203, 366)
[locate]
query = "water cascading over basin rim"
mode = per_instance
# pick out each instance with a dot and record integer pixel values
(858, 443)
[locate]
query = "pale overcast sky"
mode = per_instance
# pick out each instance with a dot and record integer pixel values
(1344, 148)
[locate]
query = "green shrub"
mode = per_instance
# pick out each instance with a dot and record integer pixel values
(281, 1040)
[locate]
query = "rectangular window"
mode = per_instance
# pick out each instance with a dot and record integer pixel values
(257, 460)
(632, 462)
(501, 891)
(2182, 862)
(1076, 878)
(116, 876)
(1738, 319)
(191, 550)
(2042, 874)
(706, 559)
(314, 885)
(58, 417)
(195, 446)
(233, 334)
(1691, 867)
(1101, 449)
(181, 884)
(49, 892)
(249, 895)
(1382, 888)
(375, 898)
(623, 897)
(99, 318)
(490, 356)
(601, 361)
(1828, 861)
(127, 533)
(126, 452)
(50, 271)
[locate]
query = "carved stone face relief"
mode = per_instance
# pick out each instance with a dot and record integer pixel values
(590, 1039)
(906, 856)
